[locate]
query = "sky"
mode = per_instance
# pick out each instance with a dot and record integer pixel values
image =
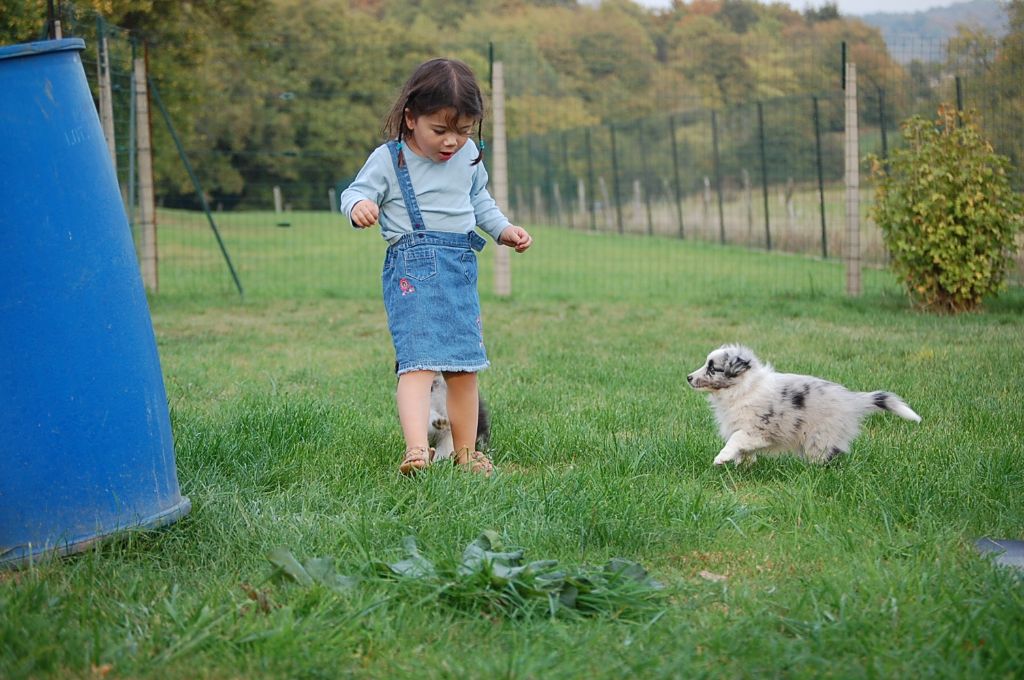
(846, 7)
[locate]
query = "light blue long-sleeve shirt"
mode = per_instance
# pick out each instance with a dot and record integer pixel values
(452, 195)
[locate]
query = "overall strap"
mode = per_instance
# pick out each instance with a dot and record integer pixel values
(405, 183)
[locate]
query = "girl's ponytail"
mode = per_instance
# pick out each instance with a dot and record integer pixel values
(480, 138)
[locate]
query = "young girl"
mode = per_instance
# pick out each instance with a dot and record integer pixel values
(428, 189)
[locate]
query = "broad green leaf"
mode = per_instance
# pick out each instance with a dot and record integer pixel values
(283, 559)
(321, 570)
(415, 565)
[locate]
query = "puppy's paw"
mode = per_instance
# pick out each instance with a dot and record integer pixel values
(443, 451)
(728, 457)
(440, 423)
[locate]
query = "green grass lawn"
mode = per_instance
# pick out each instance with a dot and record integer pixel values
(286, 435)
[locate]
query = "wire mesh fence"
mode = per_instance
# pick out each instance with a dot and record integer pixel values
(111, 49)
(764, 173)
(706, 166)
(740, 176)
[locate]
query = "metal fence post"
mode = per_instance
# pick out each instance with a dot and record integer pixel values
(821, 178)
(528, 157)
(544, 190)
(881, 124)
(959, 101)
(718, 176)
(569, 177)
(200, 194)
(675, 173)
(644, 182)
(615, 180)
(590, 183)
(764, 175)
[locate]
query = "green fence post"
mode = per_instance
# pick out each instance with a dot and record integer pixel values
(764, 175)
(644, 180)
(615, 180)
(718, 175)
(881, 123)
(195, 183)
(675, 173)
(590, 183)
(821, 178)
(568, 175)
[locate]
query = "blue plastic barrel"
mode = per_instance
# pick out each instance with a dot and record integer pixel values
(85, 434)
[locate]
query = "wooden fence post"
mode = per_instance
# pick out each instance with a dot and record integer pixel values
(499, 177)
(852, 251)
(106, 101)
(147, 194)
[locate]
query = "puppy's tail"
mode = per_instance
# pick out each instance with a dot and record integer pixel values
(887, 401)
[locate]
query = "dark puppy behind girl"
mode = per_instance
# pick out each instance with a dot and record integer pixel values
(440, 432)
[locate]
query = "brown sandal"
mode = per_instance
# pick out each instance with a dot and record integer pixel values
(476, 462)
(416, 458)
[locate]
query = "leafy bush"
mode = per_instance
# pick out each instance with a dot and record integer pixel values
(947, 212)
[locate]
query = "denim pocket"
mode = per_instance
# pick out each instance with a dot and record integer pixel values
(420, 263)
(468, 260)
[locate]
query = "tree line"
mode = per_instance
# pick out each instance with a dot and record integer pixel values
(292, 92)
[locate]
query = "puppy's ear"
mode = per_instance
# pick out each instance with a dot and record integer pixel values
(736, 366)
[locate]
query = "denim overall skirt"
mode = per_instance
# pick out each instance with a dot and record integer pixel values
(430, 293)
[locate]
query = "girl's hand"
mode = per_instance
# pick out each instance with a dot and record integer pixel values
(515, 237)
(365, 214)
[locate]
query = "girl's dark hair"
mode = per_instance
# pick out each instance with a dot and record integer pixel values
(434, 85)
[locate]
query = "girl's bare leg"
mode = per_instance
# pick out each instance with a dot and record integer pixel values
(413, 399)
(463, 411)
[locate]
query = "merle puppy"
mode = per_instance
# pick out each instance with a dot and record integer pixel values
(759, 410)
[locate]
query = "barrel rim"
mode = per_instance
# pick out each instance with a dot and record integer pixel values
(32, 49)
(18, 556)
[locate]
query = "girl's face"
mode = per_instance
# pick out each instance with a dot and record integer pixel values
(439, 135)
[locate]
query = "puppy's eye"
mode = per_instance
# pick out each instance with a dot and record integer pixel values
(711, 366)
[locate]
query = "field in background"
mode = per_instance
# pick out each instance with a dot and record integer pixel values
(311, 254)
(283, 415)
(302, 254)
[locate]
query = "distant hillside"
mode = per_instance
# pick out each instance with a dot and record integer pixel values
(939, 24)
